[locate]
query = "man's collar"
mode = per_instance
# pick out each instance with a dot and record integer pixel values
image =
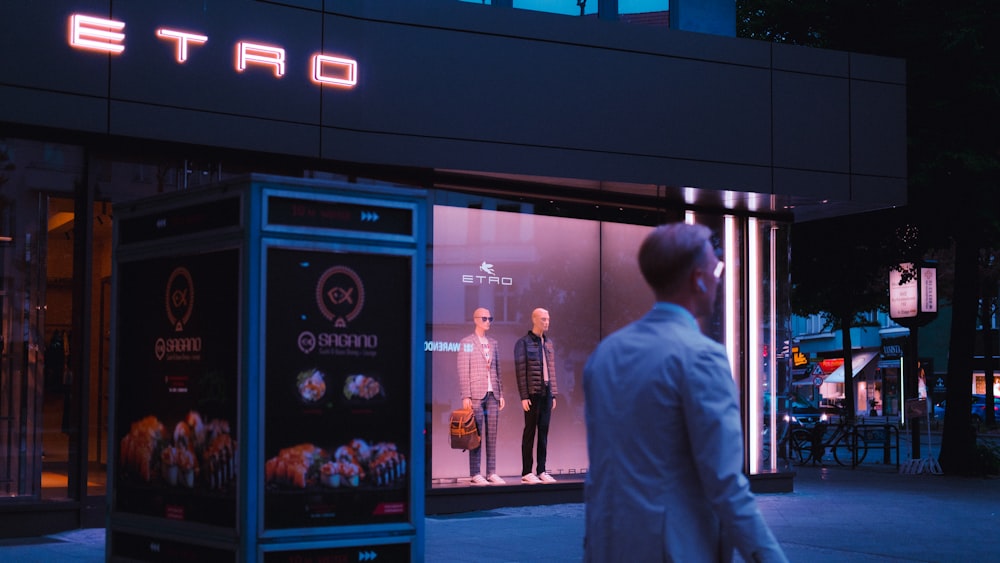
(675, 309)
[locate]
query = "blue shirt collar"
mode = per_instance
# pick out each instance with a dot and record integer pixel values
(676, 310)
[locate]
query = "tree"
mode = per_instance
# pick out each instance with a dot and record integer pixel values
(989, 268)
(842, 277)
(954, 115)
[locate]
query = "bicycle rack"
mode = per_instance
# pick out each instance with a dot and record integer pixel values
(887, 434)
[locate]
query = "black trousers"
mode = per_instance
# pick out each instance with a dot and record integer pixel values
(536, 418)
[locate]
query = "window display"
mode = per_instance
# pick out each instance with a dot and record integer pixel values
(512, 264)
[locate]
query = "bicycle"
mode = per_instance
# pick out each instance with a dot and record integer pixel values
(842, 439)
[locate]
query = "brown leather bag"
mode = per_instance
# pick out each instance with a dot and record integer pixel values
(463, 430)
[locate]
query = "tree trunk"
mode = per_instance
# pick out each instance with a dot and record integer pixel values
(958, 442)
(849, 402)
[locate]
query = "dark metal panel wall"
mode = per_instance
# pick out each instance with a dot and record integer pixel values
(456, 85)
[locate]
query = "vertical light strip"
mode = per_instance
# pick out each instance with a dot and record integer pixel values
(730, 292)
(902, 387)
(689, 217)
(771, 375)
(753, 345)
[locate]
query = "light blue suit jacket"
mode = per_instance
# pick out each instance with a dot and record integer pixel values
(666, 479)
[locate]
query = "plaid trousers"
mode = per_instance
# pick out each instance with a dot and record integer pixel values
(487, 410)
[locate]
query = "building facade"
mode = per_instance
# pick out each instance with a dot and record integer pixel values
(548, 145)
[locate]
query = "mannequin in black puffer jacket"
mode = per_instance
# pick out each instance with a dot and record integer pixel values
(535, 367)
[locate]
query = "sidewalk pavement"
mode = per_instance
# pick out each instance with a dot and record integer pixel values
(835, 514)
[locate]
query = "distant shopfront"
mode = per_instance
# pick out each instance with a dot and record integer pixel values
(878, 381)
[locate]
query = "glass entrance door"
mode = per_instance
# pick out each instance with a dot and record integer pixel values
(64, 396)
(56, 326)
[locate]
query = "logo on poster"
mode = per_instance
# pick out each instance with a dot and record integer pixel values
(487, 276)
(338, 344)
(180, 298)
(307, 342)
(179, 301)
(340, 295)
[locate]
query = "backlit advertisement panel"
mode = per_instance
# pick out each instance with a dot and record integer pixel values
(337, 388)
(176, 422)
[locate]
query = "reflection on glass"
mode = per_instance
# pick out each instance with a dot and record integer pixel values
(760, 320)
(101, 355)
(565, 7)
(625, 296)
(57, 414)
(645, 12)
(769, 331)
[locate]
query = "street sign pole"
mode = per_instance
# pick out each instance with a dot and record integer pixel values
(912, 304)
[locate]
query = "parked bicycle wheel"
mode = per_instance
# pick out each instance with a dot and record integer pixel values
(800, 446)
(843, 450)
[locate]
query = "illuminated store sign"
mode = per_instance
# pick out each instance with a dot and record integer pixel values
(917, 296)
(101, 35)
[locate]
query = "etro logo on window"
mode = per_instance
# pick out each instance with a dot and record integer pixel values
(487, 275)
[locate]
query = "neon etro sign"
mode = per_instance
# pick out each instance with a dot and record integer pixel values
(108, 36)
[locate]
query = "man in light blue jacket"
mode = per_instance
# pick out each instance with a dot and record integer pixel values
(666, 479)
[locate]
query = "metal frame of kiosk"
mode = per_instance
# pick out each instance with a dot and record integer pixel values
(267, 401)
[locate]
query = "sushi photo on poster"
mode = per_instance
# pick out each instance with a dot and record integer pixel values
(337, 388)
(176, 387)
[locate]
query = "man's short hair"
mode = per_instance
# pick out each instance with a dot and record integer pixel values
(669, 253)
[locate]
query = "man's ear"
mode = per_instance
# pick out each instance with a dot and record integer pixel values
(701, 285)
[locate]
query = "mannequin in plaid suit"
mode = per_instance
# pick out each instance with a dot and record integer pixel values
(482, 391)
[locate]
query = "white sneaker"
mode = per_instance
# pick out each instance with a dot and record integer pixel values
(530, 479)
(478, 481)
(546, 478)
(496, 480)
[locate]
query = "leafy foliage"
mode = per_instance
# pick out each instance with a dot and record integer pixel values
(839, 269)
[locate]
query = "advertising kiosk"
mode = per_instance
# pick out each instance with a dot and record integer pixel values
(266, 397)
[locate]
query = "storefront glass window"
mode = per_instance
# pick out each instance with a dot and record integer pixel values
(752, 319)
(37, 432)
(58, 428)
(647, 12)
(650, 12)
(565, 7)
(769, 344)
(55, 307)
(510, 258)
(500, 256)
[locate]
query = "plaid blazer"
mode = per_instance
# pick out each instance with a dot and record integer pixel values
(473, 370)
